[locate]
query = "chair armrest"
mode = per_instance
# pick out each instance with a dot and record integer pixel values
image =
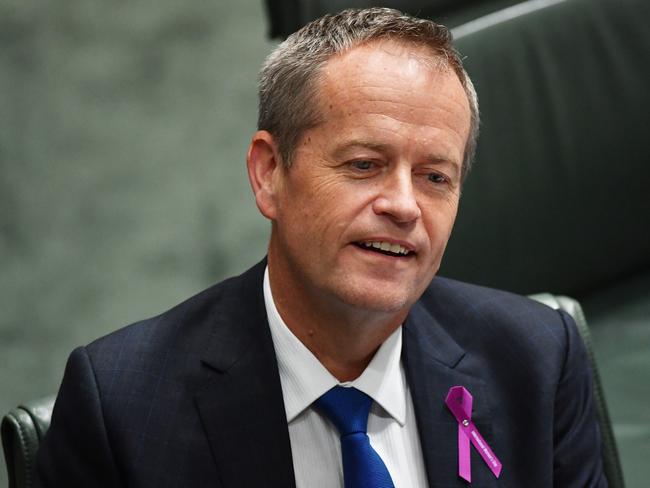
(22, 430)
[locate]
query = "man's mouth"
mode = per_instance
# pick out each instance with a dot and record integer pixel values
(387, 248)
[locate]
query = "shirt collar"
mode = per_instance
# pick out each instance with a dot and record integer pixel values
(304, 379)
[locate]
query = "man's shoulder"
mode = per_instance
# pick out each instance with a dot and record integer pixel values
(474, 313)
(183, 330)
(477, 298)
(519, 340)
(136, 390)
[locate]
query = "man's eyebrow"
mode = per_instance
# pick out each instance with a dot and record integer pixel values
(360, 143)
(436, 160)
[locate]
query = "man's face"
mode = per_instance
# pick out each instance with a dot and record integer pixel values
(362, 217)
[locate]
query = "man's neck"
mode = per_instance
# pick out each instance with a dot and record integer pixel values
(343, 338)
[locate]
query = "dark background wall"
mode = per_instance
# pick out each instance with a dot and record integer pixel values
(123, 131)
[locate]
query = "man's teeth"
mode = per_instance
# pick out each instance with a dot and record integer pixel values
(387, 246)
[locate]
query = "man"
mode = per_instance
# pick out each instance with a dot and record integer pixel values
(367, 128)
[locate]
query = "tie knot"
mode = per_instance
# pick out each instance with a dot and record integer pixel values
(346, 408)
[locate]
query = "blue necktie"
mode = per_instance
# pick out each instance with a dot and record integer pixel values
(348, 409)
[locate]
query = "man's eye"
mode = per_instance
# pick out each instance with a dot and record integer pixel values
(362, 165)
(436, 178)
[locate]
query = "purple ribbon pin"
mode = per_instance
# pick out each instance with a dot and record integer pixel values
(459, 401)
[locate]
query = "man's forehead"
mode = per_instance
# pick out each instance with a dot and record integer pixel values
(375, 64)
(367, 70)
(374, 50)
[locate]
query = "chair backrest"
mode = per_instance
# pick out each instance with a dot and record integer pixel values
(558, 197)
(22, 431)
(287, 16)
(611, 460)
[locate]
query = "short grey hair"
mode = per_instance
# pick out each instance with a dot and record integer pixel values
(288, 89)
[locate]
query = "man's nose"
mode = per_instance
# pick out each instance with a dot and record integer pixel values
(397, 198)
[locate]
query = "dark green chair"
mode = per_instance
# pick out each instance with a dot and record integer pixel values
(24, 427)
(22, 431)
(558, 196)
(287, 16)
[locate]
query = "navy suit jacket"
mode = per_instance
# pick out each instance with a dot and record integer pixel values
(193, 397)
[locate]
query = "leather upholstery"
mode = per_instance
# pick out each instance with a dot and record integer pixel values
(287, 16)
(22, 431)
(557, 199)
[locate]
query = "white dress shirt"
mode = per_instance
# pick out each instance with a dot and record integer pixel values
(315, 443)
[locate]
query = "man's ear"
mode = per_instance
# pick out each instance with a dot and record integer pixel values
(264, 164)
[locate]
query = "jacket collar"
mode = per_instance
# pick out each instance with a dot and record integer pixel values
(240, 404)
(434, 362)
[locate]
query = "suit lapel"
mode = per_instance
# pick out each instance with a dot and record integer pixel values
(433, 362)
(241, 404)
(242, 409)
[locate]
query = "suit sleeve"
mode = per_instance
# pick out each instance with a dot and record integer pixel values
(577, 443)
(76, 451)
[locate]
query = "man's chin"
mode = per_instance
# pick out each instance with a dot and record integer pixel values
(379, 301)
(376, 291)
